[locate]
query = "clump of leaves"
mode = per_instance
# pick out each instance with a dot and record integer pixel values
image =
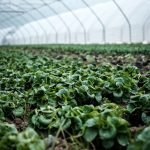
(29, 140)
(26, 140)
(141, 141)
(88, 121)
(8, 135)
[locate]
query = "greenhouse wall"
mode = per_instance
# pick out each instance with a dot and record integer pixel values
(79, 22)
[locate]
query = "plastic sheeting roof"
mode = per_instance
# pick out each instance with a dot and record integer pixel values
(12, 10)
(74, 21)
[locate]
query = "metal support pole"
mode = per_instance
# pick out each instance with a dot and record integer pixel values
(50, 23)
(63, 21)
(76, 17)
(99, 20)
(35, 19)
(126, 18)
(27, 31)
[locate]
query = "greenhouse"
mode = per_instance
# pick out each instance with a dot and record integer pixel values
(74, 75)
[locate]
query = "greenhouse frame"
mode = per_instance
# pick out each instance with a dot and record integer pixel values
(74, 22)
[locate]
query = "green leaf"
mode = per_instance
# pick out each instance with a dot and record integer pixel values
(43, 89)
(98, 97)
(123, 129)
(117, 121)
(131, 108)
(2, 118)
(107, 132)
(90, 58)
(144, 135)
(90, 95)
(43, 120)
(142, 140)
(29, 140)
(34, 119)
(118, 94)
(90, 122)
(8, 135)
(88, 108)
(107, 144)
(62, 92)
(146, 146)
(119, 81)
(78, 123)
(136, 146)
(90, 134)
(145, 118)
(84, 88)
(123, 139)
(18, 112)
(67, 124)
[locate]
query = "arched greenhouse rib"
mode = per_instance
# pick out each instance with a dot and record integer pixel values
(74, 75)
(74, 22)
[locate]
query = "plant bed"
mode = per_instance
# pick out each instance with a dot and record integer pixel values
(51, 100)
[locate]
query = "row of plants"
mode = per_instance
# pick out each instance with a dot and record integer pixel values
(92, 105)
(92, 48)
(28, 139)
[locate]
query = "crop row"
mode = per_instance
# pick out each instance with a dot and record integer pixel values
(94, 104)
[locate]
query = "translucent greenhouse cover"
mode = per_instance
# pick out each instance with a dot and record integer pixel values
(74, 21)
